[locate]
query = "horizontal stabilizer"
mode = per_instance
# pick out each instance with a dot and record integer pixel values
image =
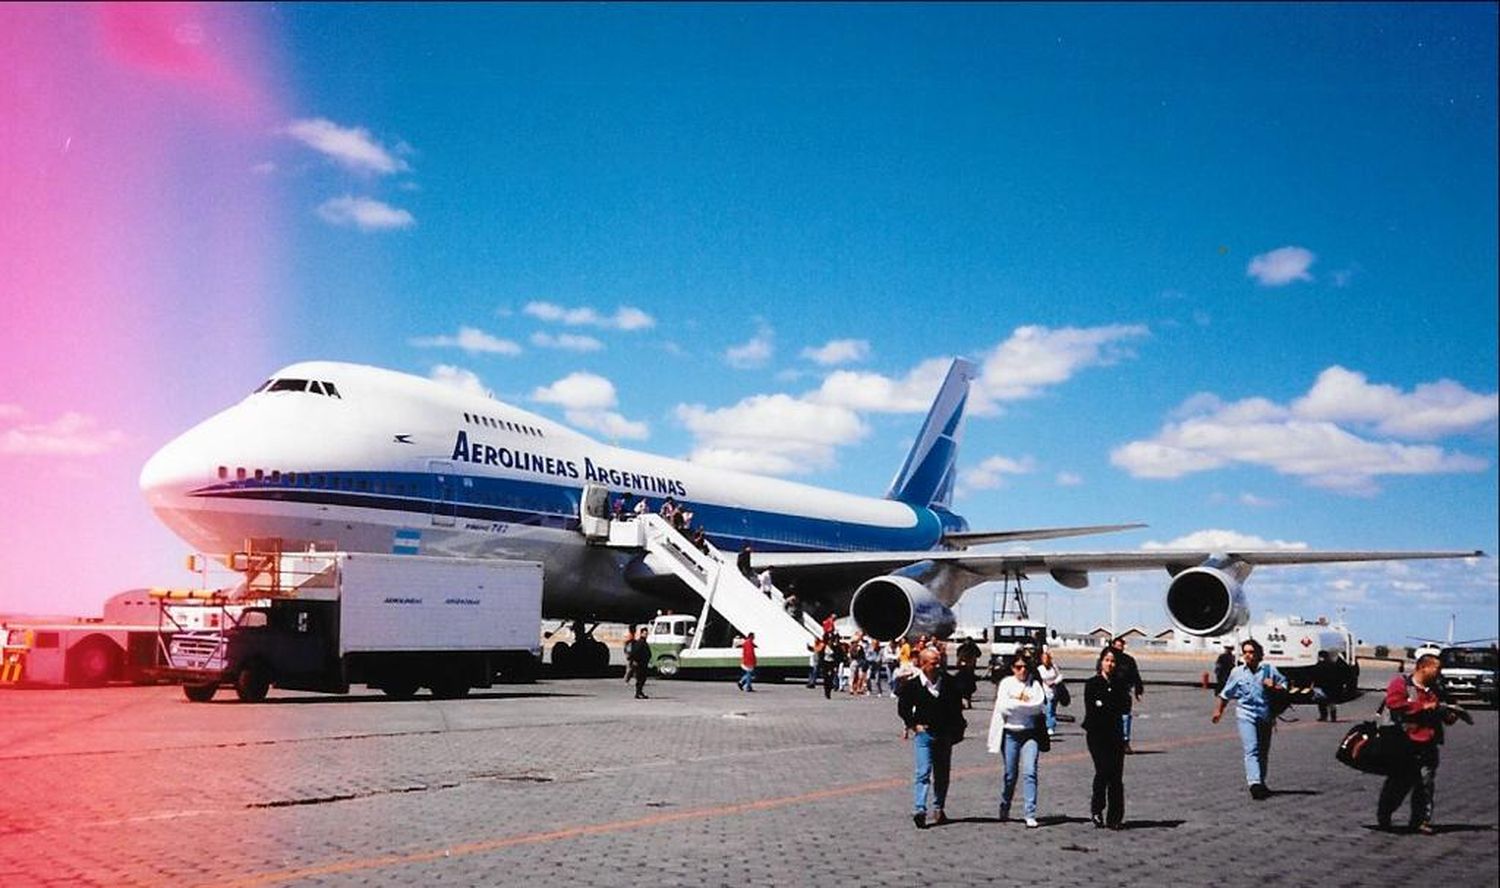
(967, 538)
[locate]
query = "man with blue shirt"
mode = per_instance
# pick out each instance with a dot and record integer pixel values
(1251, 684)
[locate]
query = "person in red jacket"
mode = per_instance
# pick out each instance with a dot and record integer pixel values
(747, 663)
(1413, 703)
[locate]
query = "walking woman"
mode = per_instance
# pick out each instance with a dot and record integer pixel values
(1018, 729)
(1049, 675)
(1105, 699)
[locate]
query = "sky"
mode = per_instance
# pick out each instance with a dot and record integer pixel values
(1228, 270)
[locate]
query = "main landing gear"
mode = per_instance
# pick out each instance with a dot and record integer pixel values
(585, 656)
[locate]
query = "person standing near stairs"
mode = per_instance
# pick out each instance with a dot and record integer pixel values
(747, 663)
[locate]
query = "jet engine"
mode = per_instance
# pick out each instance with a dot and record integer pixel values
(892, 606)
(1209, 599)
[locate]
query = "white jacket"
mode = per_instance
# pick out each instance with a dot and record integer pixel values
(1017, 706)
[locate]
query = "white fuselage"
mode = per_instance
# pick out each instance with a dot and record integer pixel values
(394, 463)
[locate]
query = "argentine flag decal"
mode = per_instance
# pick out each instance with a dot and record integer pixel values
(407, 542)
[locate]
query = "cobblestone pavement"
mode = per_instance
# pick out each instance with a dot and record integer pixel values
(572, 782)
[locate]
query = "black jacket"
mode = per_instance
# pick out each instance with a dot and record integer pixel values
(1128, 673)
(943, 715)
(1104, 702)
(637, 652)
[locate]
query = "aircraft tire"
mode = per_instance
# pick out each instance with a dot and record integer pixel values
(252, 684)
(200, 693)
(449, 687)
(562, 657)
(595, 656)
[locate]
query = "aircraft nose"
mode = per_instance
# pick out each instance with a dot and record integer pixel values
(171, 470)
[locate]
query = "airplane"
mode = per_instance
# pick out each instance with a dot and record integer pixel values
(375, 460)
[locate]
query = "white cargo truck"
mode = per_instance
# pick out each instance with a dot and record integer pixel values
(323, 621)
(1293, 646)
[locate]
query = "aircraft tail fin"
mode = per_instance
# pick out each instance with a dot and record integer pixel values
(927, 476)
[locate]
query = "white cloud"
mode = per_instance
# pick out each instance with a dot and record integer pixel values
(578, 391)
(364, 213)
(566, 342)
(608, 424)
(459, 378)
(471, 340)
(586, 399)
(1034, 358)
(774, 434)
(71, 434)
(351, 147)
(1209, 434)
(754, 353)
(1281, 266)
(1431, 410)
(872, 392)
(625, 317)
(838, 351)
(1216, 540)
(990, 473)
(1255, 502)
(1069, 479)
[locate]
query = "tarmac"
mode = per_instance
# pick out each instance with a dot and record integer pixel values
(573, 782)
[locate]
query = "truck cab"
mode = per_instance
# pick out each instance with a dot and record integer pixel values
(667, 636)
(289, 643)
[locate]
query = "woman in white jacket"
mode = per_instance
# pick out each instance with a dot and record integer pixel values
(1049, 675)
(1017, 729)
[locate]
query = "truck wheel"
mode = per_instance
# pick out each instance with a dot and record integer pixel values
(399, 689)
(92, 664)
(666, 667)
(252, 684)
(201, 693)
(449, 688)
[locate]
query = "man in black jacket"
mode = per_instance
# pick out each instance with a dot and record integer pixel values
(932, 710)
(1130, 676)
(638, 661)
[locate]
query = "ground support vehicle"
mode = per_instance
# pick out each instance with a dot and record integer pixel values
(674, 656)
(1469, 674)
(1292, 645)
(76, 652)
(1011, 636)
(323, 621)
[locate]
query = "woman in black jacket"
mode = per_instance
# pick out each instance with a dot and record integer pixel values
(1106, 698)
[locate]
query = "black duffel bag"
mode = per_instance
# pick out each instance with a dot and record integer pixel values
(1374, 748)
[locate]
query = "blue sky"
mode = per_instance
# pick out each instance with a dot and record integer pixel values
(1231, 270)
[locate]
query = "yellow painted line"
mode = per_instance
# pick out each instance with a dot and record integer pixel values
(485, 846)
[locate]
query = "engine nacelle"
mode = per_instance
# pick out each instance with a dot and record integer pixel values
(1207, 601)
(892, 606)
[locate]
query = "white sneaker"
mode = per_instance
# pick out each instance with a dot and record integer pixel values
(1031, 823)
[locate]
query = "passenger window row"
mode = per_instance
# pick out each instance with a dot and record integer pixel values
(323, 481)
(492, 422)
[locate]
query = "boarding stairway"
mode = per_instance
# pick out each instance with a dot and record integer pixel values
(717, 580)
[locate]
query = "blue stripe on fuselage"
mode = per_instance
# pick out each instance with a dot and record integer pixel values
(530, 503)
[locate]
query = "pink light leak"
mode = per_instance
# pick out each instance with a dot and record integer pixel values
(133, 226)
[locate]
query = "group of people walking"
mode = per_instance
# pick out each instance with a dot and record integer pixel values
(1024, 721)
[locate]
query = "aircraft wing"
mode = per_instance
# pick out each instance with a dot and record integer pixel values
(963, 539)
(1068, 568)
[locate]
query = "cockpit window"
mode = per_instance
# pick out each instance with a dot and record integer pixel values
(315, 386)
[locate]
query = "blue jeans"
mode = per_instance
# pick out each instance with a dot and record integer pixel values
(1019, 748)
(933, 756)
(747, 677)
(1125, 727)
(1051, 715)
(1255, 736)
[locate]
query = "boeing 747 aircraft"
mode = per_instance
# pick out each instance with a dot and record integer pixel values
(377, 461)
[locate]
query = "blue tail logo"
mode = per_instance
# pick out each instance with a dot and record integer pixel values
(926, 478)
